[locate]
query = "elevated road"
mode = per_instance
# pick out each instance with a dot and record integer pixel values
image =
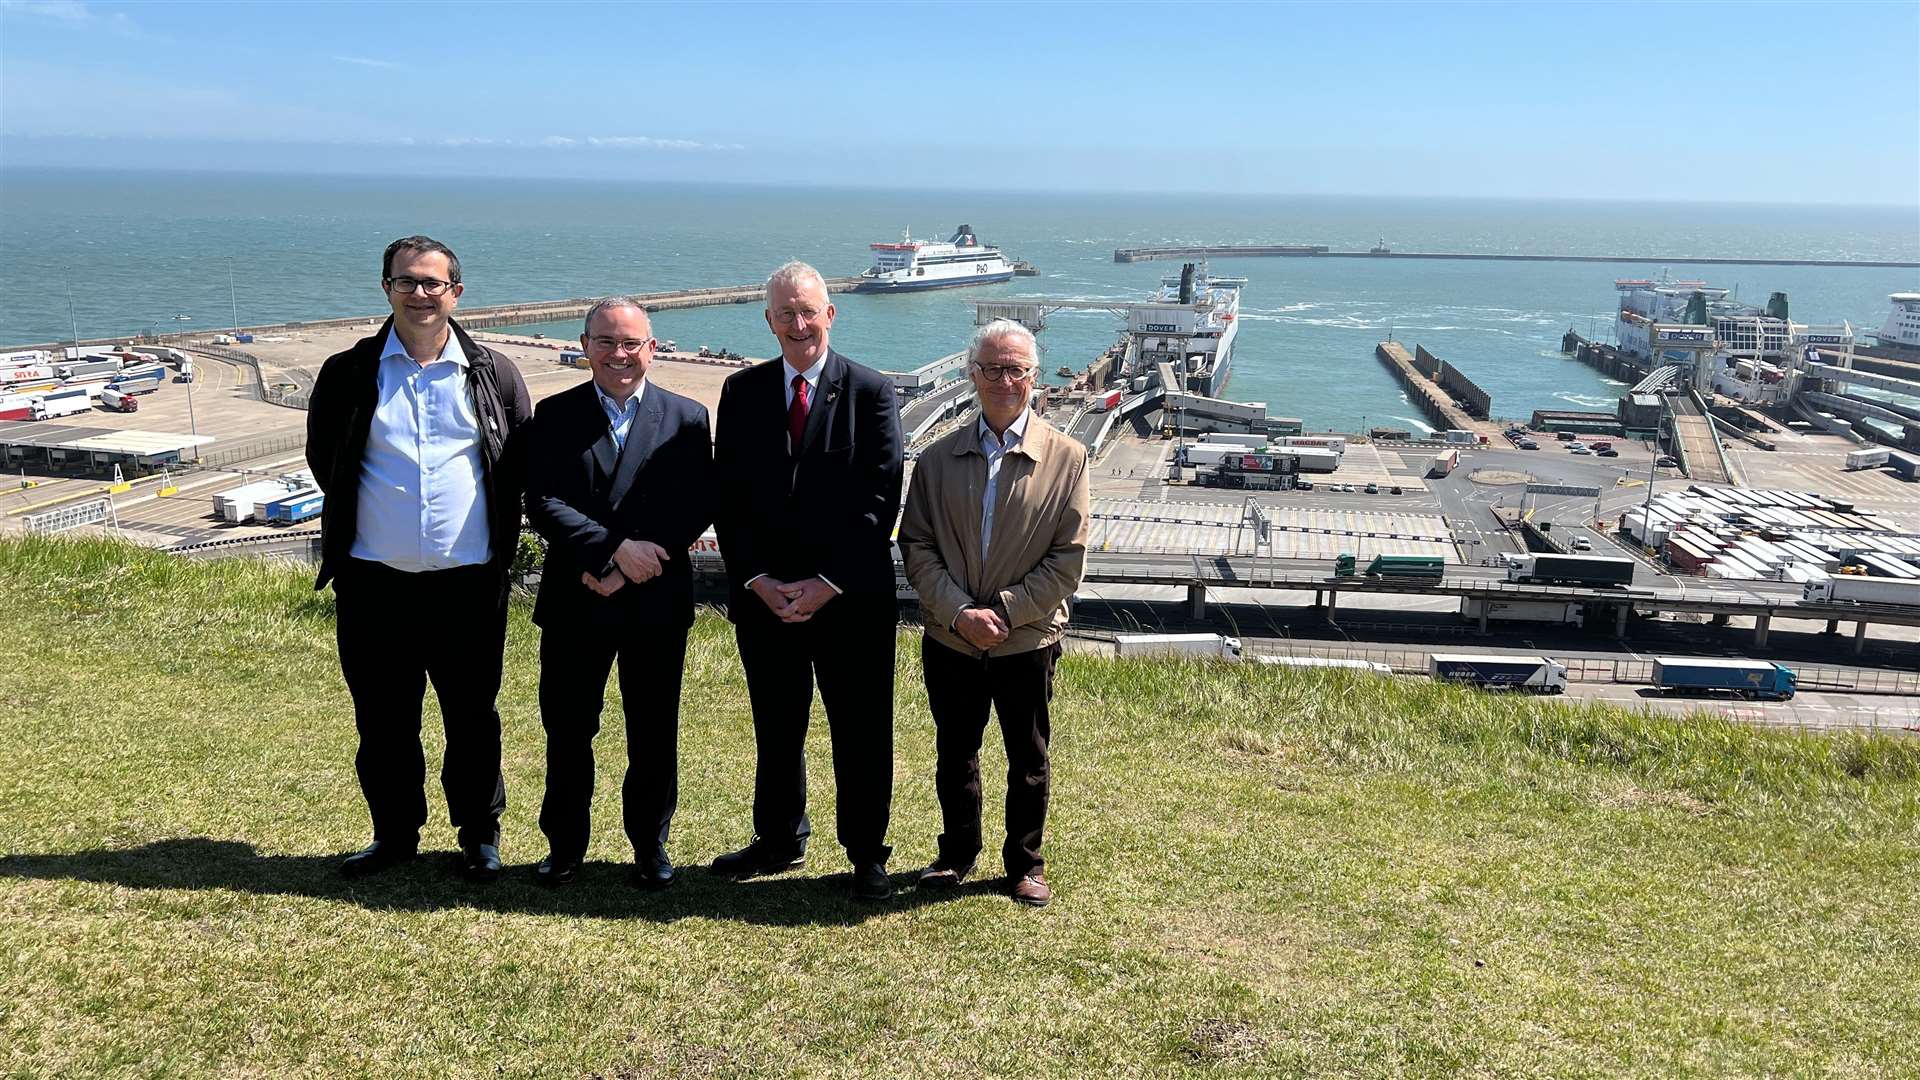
(1314, 251)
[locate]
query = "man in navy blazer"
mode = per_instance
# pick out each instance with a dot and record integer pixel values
(619, 476)
(808, 454)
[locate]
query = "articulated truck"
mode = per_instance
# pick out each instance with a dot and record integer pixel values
(1538, 674)
(1859, 589)
(1570, 569)
(1217, 645)
(1751, 679)
(1404, 567)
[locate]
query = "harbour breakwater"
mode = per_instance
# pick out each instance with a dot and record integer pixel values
(527, 313)
(1317, 251)
(1444, 395)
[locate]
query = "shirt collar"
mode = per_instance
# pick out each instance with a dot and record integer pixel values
(1016, 431)
(812, 374)
(451, 351)
(613, 407)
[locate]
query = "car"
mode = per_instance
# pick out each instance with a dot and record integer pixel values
(1396, 490)
(1579, 450)
(1581, 543)
(1528, 444)
(1348, 488)
(1563, 436)
(1303, 485)
(1606, 453)
(1373, 489)
(1666, 462)
(1576, 445)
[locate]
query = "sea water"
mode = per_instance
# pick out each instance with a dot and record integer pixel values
(134, 250)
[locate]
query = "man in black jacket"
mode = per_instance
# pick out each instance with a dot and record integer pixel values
(409, 433)
(808, 452)
(619, 482)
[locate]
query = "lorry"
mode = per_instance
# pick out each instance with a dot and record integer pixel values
(1559, 612)
(1538, 674)
(1106, 400)
(61, 405)
(119, 400)
(1444, 462)
(245, 503)
(1541, 569)
(1404, 567)
(1861, 589)
(140, 379)
(23, 374)
(1242, 439)
(1371, 667)
(1215, 645)
(295, 508)
(1755, 680)
(92, 365)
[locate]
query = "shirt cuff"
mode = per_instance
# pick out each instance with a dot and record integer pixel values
(837, 590)
(751, 580)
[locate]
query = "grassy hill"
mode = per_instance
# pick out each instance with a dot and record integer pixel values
(1259, 873)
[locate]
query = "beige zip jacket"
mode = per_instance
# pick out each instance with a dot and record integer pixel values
(1039, 543)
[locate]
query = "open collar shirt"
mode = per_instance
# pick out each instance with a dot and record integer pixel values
(423, 503)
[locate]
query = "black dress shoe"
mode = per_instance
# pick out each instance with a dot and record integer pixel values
(655, 871)
(870, 881)
(480, 862)
(377, 856)
(758, 858)
(554, 870)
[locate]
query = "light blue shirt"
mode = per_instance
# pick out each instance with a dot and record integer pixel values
(996, 447)
(423, 502)
(620, 417)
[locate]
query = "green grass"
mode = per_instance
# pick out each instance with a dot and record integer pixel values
(1259, 873)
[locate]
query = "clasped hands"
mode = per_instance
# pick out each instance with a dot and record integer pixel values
(635, 561)
(793, 601)
(983, 628)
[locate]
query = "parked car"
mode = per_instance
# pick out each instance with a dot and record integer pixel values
(1666, 462)
(1396, 489)
(1576, 445)
(1303, 485)
(1373, 489)
(1579, 450)
(1606, 453)
(1528, 444)
(1563, 436)
(1348, 488)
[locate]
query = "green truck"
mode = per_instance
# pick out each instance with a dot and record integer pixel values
(1395, 567)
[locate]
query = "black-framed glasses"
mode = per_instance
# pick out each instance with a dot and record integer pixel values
(427, 286)
(619, 345)
(1005, 372)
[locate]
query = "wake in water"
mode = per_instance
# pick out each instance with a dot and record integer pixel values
(1583, 400)
(1420, 425)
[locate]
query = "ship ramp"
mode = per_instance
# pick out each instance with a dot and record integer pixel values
(1697, 443)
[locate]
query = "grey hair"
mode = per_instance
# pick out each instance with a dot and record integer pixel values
(995, 331)
(615, 303)
(791, 275)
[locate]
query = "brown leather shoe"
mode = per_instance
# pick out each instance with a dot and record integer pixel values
(943, 875)
(1032, 890)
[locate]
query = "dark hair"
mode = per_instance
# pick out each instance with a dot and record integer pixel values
(420, 245)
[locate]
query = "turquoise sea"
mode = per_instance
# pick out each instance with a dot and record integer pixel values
(137, 249)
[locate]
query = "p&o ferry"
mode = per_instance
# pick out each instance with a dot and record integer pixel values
(910, 265)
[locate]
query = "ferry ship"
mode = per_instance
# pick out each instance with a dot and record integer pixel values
(1900, 337)
(910, 265)
(1190, 323)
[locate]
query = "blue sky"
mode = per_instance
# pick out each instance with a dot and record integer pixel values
(1780, 102)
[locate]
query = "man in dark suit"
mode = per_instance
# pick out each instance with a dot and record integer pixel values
(618, 478)
(808, 455)
(412, 434)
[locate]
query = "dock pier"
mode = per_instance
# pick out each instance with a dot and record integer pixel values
(1603, 358)
(1426, 379)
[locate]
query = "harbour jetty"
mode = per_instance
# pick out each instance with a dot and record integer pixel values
(528, 313)
(1321, 251)
(1444, 395)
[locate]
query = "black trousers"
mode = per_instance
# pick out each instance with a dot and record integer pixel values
(848, 646)
(960, 690)
(396, 631)
(574, 664)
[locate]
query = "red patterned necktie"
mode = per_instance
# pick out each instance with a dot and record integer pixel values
(797, 414)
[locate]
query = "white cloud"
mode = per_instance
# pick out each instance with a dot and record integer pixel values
(73, 13)
(367, 61)
(648, 142)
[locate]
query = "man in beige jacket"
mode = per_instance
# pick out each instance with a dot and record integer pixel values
(995, 541)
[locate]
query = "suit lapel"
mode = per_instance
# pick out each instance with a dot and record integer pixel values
(642, 437)
(603, 449)
(826, 397)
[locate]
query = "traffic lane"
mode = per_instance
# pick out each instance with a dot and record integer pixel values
(1822, 711)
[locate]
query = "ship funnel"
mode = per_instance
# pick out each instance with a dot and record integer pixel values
(963, 237)
(1186, 284)
(1777, 306)
(1697, 309)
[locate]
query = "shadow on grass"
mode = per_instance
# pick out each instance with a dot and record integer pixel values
(432, 884)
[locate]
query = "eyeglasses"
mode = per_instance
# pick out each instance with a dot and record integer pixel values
(619, 345)
(789, 317)
(1005, 372)
(426, 286)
